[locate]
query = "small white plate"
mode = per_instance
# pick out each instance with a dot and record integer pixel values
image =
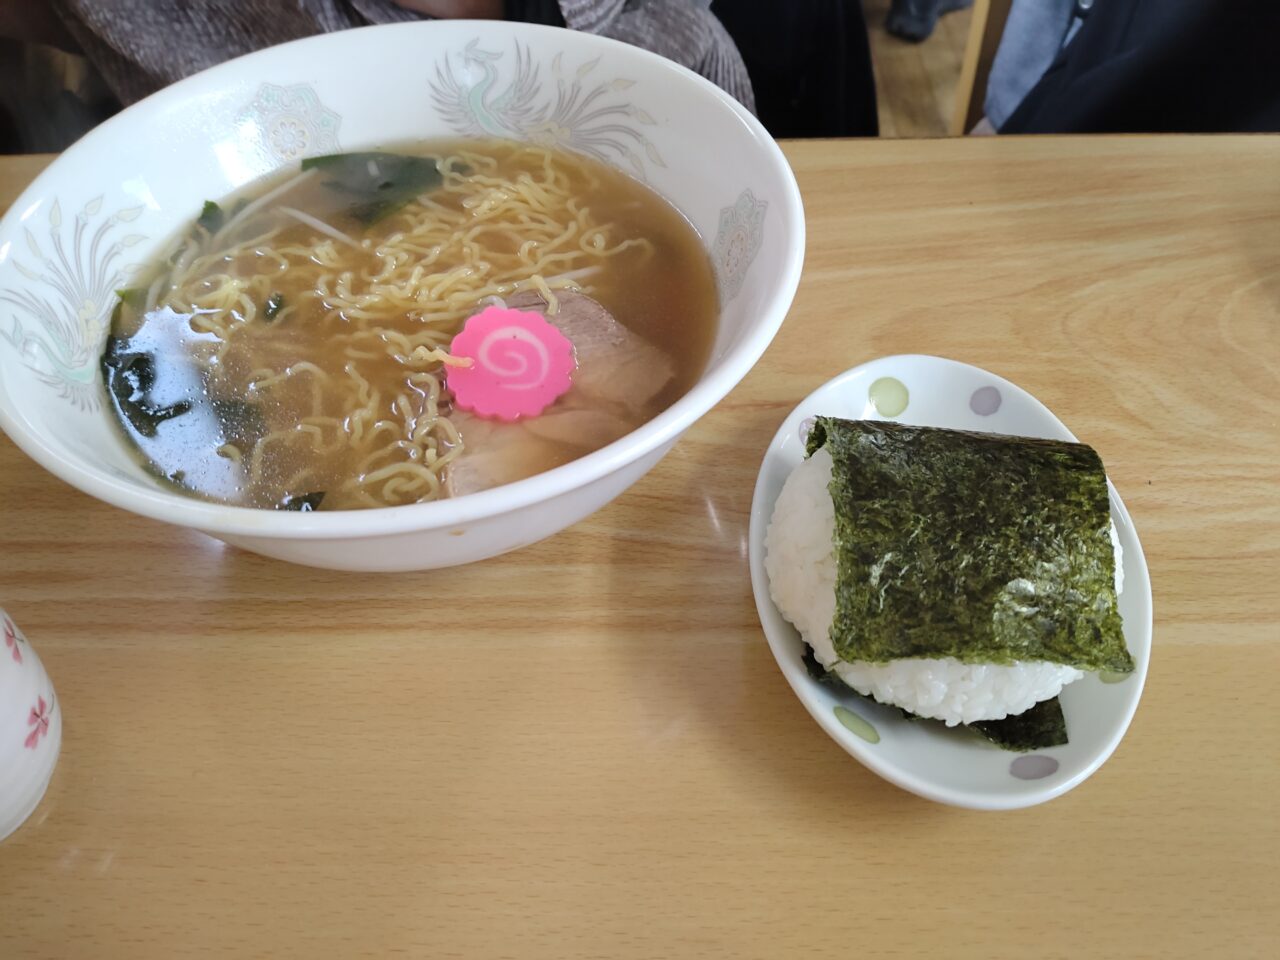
(950, 766)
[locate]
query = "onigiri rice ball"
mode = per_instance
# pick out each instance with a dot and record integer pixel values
(801, 563)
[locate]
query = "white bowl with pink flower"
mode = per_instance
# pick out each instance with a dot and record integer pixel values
(30, 727)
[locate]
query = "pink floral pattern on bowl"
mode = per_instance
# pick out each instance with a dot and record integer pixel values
(38, 720)
(13, 640)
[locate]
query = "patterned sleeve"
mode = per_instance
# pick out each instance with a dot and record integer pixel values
(685, 31)
(590, 16)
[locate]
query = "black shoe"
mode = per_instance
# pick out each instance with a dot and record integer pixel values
(914, 20)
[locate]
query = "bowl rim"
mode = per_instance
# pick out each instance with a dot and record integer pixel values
(803, 686)
(665, 428)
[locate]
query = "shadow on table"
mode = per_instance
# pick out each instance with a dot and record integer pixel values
(705, 652)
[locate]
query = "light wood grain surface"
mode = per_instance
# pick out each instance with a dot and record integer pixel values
(584, 749)
(916, 83)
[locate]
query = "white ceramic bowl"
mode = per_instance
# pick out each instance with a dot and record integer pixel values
(950, 766)
(30, 727)
(105, 206)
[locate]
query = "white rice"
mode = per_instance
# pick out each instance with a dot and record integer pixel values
(800, 560)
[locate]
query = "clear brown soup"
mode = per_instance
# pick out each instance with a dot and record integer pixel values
(289, 352)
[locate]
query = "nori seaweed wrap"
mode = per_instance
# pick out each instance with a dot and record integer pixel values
(986, 548)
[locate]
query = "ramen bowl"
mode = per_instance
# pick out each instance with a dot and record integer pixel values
(107, 206)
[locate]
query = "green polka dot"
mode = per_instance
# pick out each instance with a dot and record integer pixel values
(1111, 676)
(889, 396)
(856, 725)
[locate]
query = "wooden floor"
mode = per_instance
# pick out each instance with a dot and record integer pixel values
(916, 82)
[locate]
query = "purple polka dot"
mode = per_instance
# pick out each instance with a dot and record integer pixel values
(805, 426)
(985, 401)
(1035, 767)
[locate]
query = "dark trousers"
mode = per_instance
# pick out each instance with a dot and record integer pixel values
(809, 63)
(1162, 66)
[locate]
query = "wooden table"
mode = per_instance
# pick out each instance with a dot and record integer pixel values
(585, 749)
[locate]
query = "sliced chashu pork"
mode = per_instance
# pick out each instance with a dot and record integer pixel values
(615, 366)
(618, 374)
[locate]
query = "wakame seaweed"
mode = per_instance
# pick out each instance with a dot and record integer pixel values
(1035, 729)
(211, 217)
(135, 298)
(131, 299)
(986, 548)
(274, 304)
(242, 422)
(130, 376)
(377, 183)
(303, 502)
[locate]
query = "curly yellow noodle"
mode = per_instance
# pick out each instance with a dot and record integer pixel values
(397, 298)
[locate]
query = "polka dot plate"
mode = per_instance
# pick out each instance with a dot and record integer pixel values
(951, 766)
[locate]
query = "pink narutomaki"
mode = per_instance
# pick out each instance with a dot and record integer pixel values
(520, 364)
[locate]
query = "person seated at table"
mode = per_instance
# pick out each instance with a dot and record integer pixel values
(810, 65)
(1127, 66)
(140, 46)
(815, 81)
